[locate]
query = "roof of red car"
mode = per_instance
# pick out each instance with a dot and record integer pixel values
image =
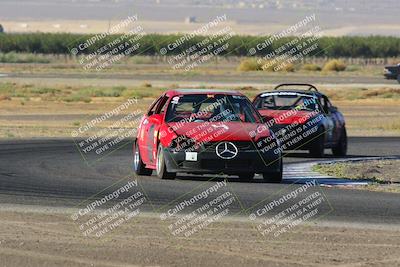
(174, 92)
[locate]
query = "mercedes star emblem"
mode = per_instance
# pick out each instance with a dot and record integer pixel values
(226, 150)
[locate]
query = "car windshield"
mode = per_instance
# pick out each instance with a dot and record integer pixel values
(211, 107)
(287, 101)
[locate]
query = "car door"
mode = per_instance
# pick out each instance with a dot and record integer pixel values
(327, 121)
(155, 120)
(143, 134)
(334, 127)
(338, 121)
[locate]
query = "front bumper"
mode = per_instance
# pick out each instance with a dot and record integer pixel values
(208, 161)
(390, 76)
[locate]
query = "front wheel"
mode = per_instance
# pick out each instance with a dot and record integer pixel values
(274, 177)
(138, 165)
(161, 168)
(340, 150)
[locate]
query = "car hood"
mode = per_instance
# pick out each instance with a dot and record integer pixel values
(286, 116)
(221, 131)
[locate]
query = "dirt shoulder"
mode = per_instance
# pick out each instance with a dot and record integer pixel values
(384, 174)
(44, 239)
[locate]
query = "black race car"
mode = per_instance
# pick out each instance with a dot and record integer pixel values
(303, 119)
(392, 72)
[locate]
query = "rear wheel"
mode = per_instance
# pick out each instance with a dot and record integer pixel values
(161, 168)
(138, 165)
(246, 177)
(340, 150)
(318, 145)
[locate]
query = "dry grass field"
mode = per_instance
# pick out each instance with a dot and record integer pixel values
(33, 110)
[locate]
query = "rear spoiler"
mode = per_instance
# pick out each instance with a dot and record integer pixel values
(310, 86)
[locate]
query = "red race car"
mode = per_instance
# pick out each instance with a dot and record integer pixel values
(205, 131)
(303, 119)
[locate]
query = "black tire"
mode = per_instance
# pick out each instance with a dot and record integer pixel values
(340, 150)
(161, 168)
(317, 148)
(274, 177)
(398, 78)
(246, 176)
(138, 166)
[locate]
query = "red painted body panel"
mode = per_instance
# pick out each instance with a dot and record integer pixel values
(285, 116)
(228, 131)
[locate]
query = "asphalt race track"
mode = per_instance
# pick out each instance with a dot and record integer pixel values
(52, 173)
(165, 79)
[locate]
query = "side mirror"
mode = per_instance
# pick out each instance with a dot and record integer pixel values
(156, 118)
